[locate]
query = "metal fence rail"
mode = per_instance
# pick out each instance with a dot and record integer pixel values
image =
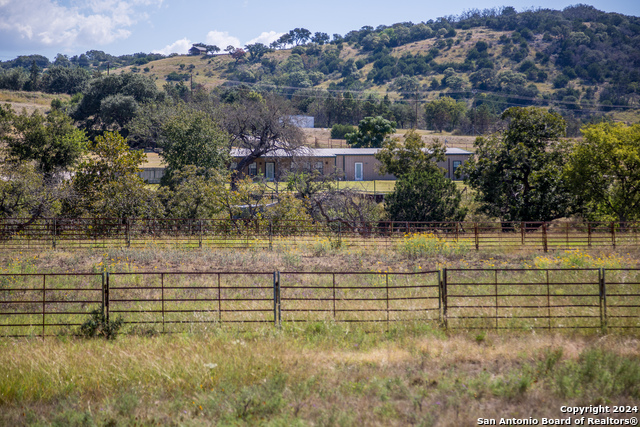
(173, 302)
(16, 233)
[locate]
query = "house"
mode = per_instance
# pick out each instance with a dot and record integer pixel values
(353, 164)
(197, 50)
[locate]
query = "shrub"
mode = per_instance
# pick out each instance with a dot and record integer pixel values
(427, 244)
(98, 326)
(339, 131)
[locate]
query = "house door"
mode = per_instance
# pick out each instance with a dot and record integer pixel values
(358, 172)
(270, 171)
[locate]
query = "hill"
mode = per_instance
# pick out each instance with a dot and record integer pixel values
(581, 61)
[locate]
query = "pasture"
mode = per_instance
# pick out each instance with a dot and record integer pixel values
(346, 352)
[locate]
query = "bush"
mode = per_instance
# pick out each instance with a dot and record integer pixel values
(99, 327)
(339, 131)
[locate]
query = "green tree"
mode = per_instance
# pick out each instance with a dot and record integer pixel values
(517, 174)
(422, 192)
(425, 195)
(192, 137)
(398, 157)
(52, 141)
(107, 183)
(194, 193)
(604, 171)
(372, 132)
(26, 194)
(444, 113)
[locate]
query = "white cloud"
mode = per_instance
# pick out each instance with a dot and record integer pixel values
(47, 23)
(266, 38)
(222, 39)
(181, 47)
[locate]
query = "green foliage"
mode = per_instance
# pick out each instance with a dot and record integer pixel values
(191, 137)
(604, 171)
(420, 245)
(399, 158)
(51, 141)
(97, 326)
(339, 131)
(425, 195)
(107, 183)
(25, 193)
(372, 132)
(193, 193)
(517, 174)
(444, 113)
(422, 192)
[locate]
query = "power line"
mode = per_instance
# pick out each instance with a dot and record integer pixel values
(299, 92)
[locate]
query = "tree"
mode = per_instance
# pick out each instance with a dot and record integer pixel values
(194, 193)
(26, 194)
(259, 125)
(107, 183)
(425, 195)
(191, 137)
(372, 132)
(300, 35)
(52, 142)
(517, 174)
(398, 158)
(320, 38)
(444, 113)
(604, 171)
(131, 89)
(422, 192)
(257, 51)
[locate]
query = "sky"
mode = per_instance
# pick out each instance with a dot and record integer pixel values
(118, 27)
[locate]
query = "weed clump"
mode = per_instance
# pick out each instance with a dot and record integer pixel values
(98, 326)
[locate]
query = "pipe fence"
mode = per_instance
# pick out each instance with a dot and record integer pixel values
(71, 233)
(175, 302)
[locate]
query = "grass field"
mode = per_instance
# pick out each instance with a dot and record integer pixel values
(316, 373)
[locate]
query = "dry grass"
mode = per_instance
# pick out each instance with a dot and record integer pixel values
(324, 375)
(317, 373)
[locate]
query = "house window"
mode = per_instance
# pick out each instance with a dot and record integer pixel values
(320, 167)
(358, 172)
(456, 165)
(234, 165)
(270, 169)
(253, 169)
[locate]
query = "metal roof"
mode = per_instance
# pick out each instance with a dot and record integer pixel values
(330, 152)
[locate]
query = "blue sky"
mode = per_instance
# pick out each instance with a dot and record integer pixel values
(118, 27)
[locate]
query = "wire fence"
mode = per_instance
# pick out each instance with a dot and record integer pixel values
(176, 302)
(73, 233)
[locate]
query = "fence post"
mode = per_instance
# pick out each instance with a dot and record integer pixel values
(444, 298)
(104, 284)
(522, 225)
(544, 236)
(334, 295)
(387, 286)
(475, 232)
(613, 234)
(589, 234)
(603, 301)
(162, 298)
(200, 233)
(277, 315)
(44, 302)
(270, 235)
(439, 297)
(106, 297)
(55, 232)
(128, 225)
